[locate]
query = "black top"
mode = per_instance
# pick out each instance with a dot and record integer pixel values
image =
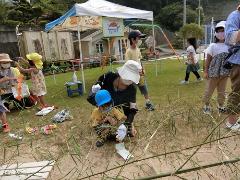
(119, 97)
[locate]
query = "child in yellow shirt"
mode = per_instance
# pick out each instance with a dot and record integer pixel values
(107, 120)
(134, 53)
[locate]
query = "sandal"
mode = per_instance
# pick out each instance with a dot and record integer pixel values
(6, 128)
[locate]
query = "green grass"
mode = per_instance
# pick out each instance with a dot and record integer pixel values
(178, 108)
(163, 88)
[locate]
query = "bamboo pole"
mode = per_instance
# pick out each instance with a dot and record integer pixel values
(187, 170)
(159, 155)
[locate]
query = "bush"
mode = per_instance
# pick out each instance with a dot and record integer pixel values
(191, 30)
(178, 42)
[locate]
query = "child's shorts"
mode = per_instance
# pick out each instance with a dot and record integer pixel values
(105, 131)
(3, 109)
(143, 86)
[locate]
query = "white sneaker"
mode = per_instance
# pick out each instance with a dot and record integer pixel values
(184, 82)
(206, 109)
(221, 109)
(233, 127)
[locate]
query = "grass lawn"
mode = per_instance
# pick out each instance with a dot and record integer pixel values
(177, 122)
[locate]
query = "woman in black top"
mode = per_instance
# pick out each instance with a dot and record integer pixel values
(121, 87)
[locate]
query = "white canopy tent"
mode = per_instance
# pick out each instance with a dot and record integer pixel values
(97, 8)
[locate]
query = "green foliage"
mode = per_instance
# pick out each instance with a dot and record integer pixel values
(11, 22)
(178, 41)
(191, 30)
(3, 11)
(21, 11)
(171, 16)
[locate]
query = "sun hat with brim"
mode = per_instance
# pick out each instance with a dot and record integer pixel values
(221, 24)
(36, 58)
(4, 58)
(130, 71)
(103, 97)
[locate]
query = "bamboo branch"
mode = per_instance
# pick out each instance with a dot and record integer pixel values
(158, 155)
(167, 174)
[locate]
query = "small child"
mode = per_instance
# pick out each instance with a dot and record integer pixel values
(38, 81)
(107, 120)
(192, 61)
(133, 53)
(3, 109)
(214, 72)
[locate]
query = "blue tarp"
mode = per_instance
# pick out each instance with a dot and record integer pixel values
(101, 8)
(51, 25)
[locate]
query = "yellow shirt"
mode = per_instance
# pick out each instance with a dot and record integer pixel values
(98, 117)
(133, 54)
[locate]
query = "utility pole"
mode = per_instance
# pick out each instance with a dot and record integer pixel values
(184, 12)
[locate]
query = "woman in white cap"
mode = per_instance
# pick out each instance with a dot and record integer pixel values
(122, 89)
(214, 71)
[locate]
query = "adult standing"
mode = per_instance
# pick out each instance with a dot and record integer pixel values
(121, 87)
(232, 37)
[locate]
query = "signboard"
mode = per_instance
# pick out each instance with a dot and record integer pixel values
(112, 27)
(86, 22)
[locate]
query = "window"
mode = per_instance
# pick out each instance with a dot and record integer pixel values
(99, 47)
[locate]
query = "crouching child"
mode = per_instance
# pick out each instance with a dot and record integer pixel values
(107, 120)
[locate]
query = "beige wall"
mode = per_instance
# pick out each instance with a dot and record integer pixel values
(37, 41)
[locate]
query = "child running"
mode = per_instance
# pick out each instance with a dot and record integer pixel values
(214, 71)
(107, 120)
(192, 61)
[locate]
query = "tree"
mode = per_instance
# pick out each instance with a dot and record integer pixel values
(171, 16)
(191, 30)
(3, 12)
(21, 11)
(53, 9)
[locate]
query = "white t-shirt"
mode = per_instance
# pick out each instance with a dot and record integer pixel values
(216, 48)
(191, 49)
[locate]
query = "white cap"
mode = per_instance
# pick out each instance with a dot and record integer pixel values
(221, 24)
(130, 71)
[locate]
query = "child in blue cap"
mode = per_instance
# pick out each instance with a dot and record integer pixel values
(107, 120)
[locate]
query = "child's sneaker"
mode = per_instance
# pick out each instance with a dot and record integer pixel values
(99, 143)
(6, 128)
(233, 127)
(184, 82)
(206, 110)
(149, 106)
(222, 109)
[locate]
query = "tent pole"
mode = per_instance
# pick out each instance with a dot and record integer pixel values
(80, 53)
(154, 47)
